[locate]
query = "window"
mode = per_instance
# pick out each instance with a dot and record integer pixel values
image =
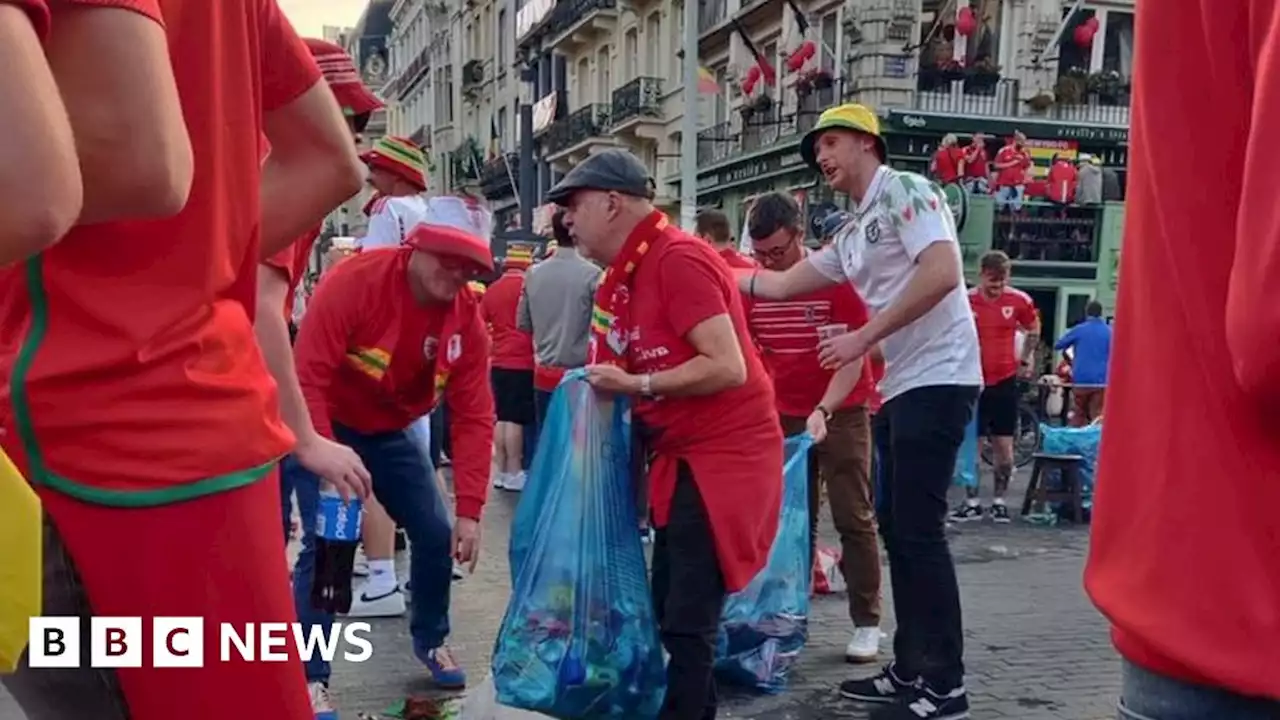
(581, 86)
(502, 128)
(448, 93)
(1072, 57)
(1117, 51)
(653, 44)
(830, 22)
(721, 111)
(676, 43)
(502, 42)
(984, 43)
(604, 83)
(486, 33)
(630, 47)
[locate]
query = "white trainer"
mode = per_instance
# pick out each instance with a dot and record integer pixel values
(385, 604)
(515, 481)
(864, 647)
(500, 480)
(321, 703)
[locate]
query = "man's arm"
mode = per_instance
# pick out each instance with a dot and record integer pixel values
(322, 343)
(850, 309)
(40, 185)
(815, 272)
(930, 242)
(1068, 339)
(113, 68)
(1029, 323)
(313, 166)
(695, 304)
(524, 318)
(471, 417)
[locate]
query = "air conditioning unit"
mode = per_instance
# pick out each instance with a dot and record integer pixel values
(473, 72)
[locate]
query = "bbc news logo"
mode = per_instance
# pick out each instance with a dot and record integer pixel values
(179, 642)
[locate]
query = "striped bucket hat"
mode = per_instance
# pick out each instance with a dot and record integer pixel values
(456, 227)
(399, 157)
(340, 73)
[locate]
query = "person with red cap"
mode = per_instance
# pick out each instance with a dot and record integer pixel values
(278, 279)
(512, 368)
(142, 410)
(386, 334)
(398, 175)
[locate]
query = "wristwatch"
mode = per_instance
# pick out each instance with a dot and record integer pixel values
(826, 414)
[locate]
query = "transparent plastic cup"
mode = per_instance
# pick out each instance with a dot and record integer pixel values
(834, 330)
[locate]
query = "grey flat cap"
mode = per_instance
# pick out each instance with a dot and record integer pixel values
(614, 170)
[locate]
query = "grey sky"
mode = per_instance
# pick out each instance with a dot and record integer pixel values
(309, 16)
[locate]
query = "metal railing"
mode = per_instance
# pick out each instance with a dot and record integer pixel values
(997, 99)
(641, 97)
(568, 13)
(716, 143)
(581, 125)
(499, 176)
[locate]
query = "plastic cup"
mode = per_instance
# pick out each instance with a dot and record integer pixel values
(826, 332)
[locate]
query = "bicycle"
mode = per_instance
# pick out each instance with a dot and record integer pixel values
(1026, 434)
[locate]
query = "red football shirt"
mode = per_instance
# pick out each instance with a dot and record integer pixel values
(731, 440)
(512, 347)
(976, 164)
(786, 331)
(1015, 174)
(946, 164)
(736, 259)
(292, 262)
(129, 372)
(998, 320)
(1184, 556)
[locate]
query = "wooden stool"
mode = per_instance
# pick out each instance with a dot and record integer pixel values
(1072, 490)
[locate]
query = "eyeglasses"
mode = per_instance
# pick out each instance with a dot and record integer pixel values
(773, 253)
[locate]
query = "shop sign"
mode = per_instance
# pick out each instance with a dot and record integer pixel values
(1002, 127)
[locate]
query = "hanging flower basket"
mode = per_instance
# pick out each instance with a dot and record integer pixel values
(1041, 101)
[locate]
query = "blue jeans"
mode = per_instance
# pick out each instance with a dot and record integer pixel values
(288, 478)
(404, 482)
(1148, 696)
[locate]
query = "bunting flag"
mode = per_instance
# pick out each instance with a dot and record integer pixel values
(707, 84)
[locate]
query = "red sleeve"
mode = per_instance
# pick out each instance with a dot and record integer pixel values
(693, 289)
(1027, 316)
(471, 418)
(288, 70)
(849, 308)
(321, 346)
(150, 8)
(37, 10)
(283, 261)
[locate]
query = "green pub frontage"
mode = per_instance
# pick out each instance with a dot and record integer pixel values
(1063, 257)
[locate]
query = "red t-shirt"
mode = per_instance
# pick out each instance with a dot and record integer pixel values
(1016, 174)
(736, 259)
(1184, 556)
(946, 164)
(976, 165)
(292, 262)
(998, 320)
(128, 364)
(731, 440)
(1061, 182)
(512, 347)
(786, 331)
(367, 358)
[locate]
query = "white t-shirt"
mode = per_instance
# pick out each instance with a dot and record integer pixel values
(391, 221)
(901, 215)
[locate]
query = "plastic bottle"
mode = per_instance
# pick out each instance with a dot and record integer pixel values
(338, 526)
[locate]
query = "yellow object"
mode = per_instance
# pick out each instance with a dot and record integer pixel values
(850, 116)
(476, 286)
(20, 562)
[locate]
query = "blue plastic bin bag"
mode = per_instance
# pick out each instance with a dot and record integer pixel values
(1075, 441)
(552, 463)
(966, 472)
(765, 625)
(580, 639)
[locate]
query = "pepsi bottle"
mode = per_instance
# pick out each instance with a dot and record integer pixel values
(337, 533)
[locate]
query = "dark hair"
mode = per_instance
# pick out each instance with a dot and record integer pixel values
(772, 212)
(559, 231)
(713, 224)
(1093, 309)
(994, 261)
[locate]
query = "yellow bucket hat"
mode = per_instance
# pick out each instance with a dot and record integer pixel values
(850, 116)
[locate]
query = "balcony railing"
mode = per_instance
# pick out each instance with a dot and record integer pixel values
(1044, 232)
(710, 13)
(965, 96)
(716, 143)
(641, 97)
(581, 125)
(761, 128)
(1094, 111)
(571, 12)
(500, 175)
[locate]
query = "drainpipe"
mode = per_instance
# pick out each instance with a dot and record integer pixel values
(689, 122)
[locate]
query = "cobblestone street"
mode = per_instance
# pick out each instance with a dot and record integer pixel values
(1035, 647)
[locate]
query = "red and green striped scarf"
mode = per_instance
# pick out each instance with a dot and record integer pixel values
(611, 316)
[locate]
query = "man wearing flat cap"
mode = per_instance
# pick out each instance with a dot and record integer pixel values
(388, 335)
(668, 329)
(900, 252)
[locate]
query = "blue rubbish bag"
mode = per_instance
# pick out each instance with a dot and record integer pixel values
(1081, 441)
(966, 472)
(764, 626)
(579, 638)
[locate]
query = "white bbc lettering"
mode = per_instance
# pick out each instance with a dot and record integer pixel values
(53, 642)
(115, 642)
(354, 634)
(177, 642)
(273, 636)
(243, 642)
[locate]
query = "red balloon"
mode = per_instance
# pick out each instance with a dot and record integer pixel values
(768, 74)
(966, 23)
(796, 60)
(748, 87)
(753, 74)
(810, 48)
(1093, 23)
(1084, 36)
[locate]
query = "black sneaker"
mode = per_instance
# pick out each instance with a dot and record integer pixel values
(886, 687)
(966, 513)
(1000, 513)
(921, 703)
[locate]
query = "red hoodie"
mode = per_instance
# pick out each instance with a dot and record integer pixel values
(1185, 551)
(367, 358)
